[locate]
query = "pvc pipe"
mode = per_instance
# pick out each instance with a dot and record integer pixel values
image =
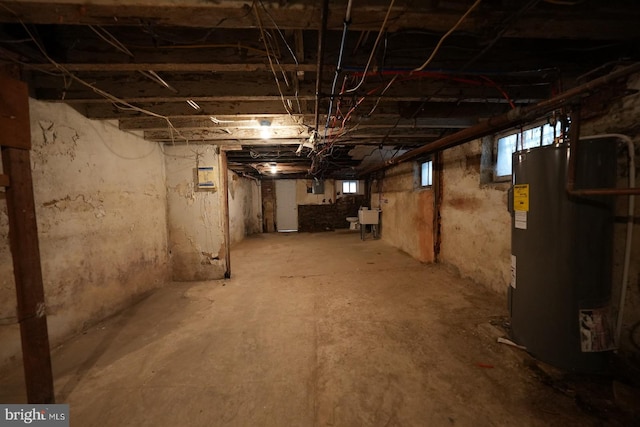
(630, 216)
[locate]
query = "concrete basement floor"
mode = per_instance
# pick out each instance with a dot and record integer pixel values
(312, 330)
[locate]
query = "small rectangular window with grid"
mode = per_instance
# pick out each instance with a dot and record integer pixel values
(530, 138)
(349, 187)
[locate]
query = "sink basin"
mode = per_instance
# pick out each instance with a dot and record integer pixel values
(369, 216)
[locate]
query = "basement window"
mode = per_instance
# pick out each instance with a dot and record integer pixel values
(349, 187)
(532, 137)
(426, 173)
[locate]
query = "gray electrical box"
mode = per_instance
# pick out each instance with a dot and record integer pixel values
(318, 186)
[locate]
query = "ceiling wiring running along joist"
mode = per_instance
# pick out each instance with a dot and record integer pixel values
(433, 53)
(120, 103)
(110, 39)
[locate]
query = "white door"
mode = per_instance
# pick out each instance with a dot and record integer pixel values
(286, 206)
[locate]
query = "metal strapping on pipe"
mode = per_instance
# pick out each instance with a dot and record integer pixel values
(508, 120)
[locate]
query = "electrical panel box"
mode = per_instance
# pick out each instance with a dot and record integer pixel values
(206, 180)
(318, 186)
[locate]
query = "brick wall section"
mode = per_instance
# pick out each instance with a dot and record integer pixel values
(313, 218)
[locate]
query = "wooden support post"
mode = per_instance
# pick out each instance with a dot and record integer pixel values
(224, 177)
(23, 237)
(15, 142)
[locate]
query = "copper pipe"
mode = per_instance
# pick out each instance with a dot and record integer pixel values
(606, 192)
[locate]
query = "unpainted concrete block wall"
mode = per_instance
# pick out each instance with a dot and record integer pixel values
(194, 217)
(406, 220)
(100, 204)
(245, 211)
(476, 225)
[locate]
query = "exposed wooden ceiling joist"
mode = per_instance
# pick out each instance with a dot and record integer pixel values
(169, 67)
(548, 22)
(244, 122)
(240, 65)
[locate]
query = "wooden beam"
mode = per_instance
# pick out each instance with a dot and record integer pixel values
(23, 238)
(14, 114)
(275, 108)
(171, 67)
(268, 98)
(250, 122)
(363, 130)
(209, 122)
(225, 212)
(198, 99)
(604, 22)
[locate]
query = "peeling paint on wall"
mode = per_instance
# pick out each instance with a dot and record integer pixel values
(100, 207)
(245, 209)
(406, 220)
(476, 226)
(194, 216)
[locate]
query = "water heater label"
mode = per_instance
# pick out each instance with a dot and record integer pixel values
(521, 197)
(521, 220)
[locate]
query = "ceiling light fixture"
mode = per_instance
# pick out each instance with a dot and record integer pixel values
(265, 129)
(273, 167)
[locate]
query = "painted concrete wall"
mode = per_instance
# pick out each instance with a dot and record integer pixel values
(406, 220)
(245, 211)
(194, 217)
(100, 205)
(476, 226)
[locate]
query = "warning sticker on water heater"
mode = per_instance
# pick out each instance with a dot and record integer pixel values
(521, 197)
(521, 220)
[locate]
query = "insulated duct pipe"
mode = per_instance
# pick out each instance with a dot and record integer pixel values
(508, 120)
